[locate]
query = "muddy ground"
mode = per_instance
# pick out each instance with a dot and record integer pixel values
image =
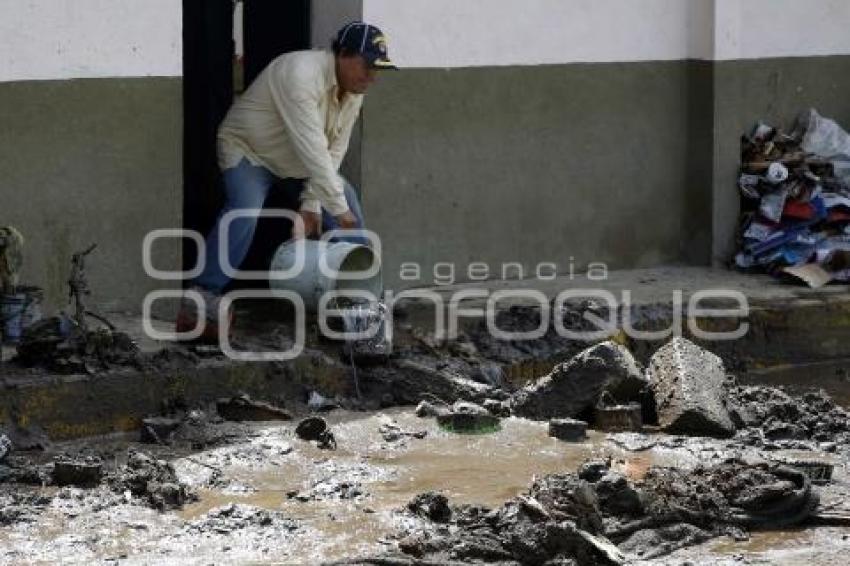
(239, 481)
(401, 490)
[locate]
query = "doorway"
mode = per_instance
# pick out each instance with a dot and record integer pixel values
(213, 71)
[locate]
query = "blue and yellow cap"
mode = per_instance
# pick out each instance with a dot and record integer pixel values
(368, 41)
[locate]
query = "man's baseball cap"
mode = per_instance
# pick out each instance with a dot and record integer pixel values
(368, 41)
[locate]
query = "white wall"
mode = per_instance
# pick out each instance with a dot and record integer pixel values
(462, 33)
(64, 39)
(465, 33)
(753, 29)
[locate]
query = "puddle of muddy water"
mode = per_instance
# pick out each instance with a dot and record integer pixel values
(483, 469)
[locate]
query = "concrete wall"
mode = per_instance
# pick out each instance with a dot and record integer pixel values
(577, 131)
(561, 131)
(90, 103)
(555, 163)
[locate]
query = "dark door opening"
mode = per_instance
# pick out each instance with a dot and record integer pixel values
(270, 28)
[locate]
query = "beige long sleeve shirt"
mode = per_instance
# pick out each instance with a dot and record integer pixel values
(290, 121)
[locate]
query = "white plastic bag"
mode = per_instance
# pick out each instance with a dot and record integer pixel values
(825, 138)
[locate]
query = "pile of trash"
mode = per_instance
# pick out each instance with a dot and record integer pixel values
(58, 345)
(796, 201)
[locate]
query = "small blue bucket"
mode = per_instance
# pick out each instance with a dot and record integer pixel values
(19, 311)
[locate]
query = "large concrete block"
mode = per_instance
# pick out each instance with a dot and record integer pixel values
(574, 387)
(690, 392)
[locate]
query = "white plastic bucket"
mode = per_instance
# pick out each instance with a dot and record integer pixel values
(340, 259)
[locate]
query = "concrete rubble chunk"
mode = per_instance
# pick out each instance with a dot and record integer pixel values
(688, 383)
(570, 430)
(575, 386)
(412, 379)
(611, 417)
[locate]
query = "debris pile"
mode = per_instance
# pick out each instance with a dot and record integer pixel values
(57, 345)
(17, 507)
(796, 201)
(582, 516)
(392, 432)
(772, 419)
(67, 344)
(151, 480)
(235, 517)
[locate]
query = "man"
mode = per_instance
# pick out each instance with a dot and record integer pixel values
(294, 121)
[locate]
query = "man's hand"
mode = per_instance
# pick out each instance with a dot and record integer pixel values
(310, 225)
(347, 220)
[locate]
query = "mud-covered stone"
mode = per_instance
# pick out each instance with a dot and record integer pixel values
(414, 380)
(235, 517)
(153, 481)
(689, 385)
(391, 431)
(311, 428)
(315, 429)
(617, 495)
(570, 430)
(80, 472)
(468, 408)
(432, 506)
(652, 543)
(593, 470)
(618, 418)
(574, 387)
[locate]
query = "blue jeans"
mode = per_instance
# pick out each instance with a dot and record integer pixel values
(246, 186)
